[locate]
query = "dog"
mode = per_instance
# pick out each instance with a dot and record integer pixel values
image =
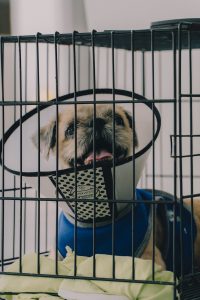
(84, 129)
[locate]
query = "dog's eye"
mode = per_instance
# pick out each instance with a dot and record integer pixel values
(119, 121)
(69, 131)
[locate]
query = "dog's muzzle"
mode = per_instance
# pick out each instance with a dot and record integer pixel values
(90, 194)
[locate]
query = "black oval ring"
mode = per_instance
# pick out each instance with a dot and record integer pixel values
(70, 96)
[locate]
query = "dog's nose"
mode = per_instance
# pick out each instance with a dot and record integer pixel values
(98, 124)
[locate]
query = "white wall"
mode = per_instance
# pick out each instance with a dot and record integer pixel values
(137, 14)
(47, 16)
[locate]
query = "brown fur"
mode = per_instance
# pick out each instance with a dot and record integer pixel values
(159, 235)
(196, 208)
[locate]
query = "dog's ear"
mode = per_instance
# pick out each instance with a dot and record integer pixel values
(47, 138)
(131, 123)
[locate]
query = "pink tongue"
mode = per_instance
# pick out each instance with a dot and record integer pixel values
(103, 154)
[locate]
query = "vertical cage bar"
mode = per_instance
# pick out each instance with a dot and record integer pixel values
(14, 178)
(57, 144)
(107, 68)
(143, 74)
(113, 150)
(133, 137)
(38, 123)
(180, 141)
(175, 153)
(69, 69)
(47, 98)
(145, 177)
(191, 148)
(46, 225)
(25, 76)
(58, 64)
(75, 135)
(153, 152)
(36, 191)
(97, 66)
(47, 71)
(3, 156)
(94, 150)
(25, 108)
(35, 229)
(125, 69)
(24, 223)
(14, 217)
(78, 67)
(21, 105)
(89, 69)
(160, 106)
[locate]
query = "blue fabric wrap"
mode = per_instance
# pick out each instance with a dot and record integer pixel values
(142, 229)
(188, 236)
(103, 234)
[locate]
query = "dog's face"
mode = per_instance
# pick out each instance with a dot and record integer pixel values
(81, 140)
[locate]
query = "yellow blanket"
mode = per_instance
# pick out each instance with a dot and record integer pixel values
(140, 291)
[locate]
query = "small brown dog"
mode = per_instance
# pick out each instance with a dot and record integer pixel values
(125, 140)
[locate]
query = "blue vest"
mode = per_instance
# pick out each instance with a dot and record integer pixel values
(124, 242)
(131, 232)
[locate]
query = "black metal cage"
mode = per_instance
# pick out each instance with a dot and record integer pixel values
(157, 68)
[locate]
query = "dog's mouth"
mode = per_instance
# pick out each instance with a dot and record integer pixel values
(101, 155)
(104, 154)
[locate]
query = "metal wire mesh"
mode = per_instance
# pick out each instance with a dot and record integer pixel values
(160, 64)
